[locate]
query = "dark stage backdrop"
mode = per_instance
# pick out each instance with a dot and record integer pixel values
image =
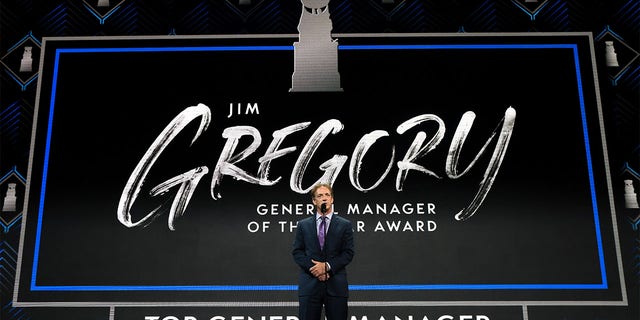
(542, 225)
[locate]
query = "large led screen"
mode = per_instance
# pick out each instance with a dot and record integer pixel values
(174, 170)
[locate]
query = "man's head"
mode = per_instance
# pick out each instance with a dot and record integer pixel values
(322, 193)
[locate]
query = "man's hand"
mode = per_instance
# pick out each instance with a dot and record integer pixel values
(319, 270)
(323, 277)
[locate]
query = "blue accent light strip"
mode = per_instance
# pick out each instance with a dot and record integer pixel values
(170, 288)
(7, 227)
(175, 49)
(13, 170)
(101, 18)
(456, 46)
(533, 14)
(592, 184)
(406, 287)
(573, 47)
(43, 186)
(478, 287)
(23, 84)
(24, 39)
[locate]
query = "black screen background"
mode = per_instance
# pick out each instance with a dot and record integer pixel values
(535, 226)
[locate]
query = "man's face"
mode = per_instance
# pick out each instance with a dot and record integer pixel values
(323, 195)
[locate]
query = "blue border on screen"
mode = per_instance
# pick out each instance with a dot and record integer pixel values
(397, 287)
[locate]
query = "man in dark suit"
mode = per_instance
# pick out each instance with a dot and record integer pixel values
(323, 273)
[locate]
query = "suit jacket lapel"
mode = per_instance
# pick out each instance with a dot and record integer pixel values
(314, 230)
(333, 226)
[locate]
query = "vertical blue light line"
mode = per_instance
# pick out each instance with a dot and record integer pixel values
(43, 185)
(587, 145)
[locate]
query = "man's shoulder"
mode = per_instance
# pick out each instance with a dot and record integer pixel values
(340, 219)
(308, 219)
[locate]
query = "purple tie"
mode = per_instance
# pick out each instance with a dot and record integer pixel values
(322, 231)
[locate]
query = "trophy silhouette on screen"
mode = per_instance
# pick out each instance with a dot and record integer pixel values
(26, 63)
(630, 197)
(9, 204)
(610, 54)
(316, 53)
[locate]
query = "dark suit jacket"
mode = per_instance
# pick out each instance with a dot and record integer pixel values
(338, 250)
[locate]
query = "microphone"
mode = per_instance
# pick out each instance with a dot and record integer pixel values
(323, 208)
